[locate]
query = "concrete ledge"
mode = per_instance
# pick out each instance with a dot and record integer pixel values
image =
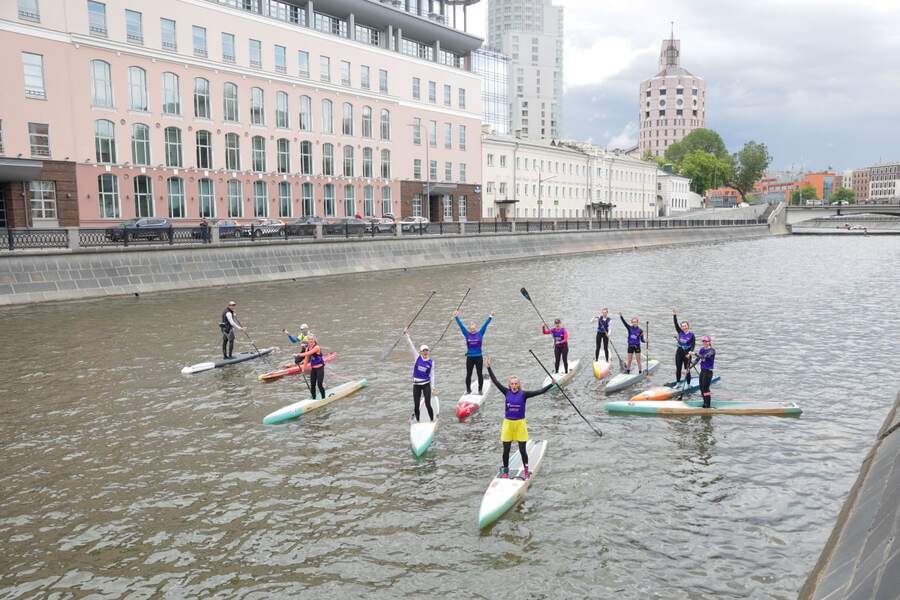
(83, 274)
(861, 559)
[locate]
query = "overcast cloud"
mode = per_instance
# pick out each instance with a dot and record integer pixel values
(817, 80)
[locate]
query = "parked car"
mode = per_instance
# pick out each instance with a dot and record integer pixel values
(345, 226)
(414, 224)
(304, 226)
(383, 225)
(228, 228)
(145, 228)
(264, 228)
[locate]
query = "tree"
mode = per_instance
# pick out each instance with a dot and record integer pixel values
(807, 192)
(699, 139)
(659, 160)
(843, 194)
(705, 170)
(750, 163)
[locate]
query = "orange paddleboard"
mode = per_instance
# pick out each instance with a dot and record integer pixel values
(654, 393)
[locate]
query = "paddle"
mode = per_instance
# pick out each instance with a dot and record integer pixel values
(621, 362)
(458, 306)
(597, 431)
(530, 301)
(388, 351)
(249, 339)
(647, 343)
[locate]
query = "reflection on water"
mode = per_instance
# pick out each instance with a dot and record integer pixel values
(122, 477)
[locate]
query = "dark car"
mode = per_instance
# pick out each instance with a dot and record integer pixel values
(345, 226)
(305, 226)
(228, 228)
(145, 228)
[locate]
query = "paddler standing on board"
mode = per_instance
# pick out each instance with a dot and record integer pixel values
(474, 340)
(515, 428)
(560, 343)
(422, 377)
(635, 337)
(316, 360)
(684, 352)
(707, 359)
(228, 324)
(603, 322)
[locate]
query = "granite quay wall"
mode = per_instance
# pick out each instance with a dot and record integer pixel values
(76, 274)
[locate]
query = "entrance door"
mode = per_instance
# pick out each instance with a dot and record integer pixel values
(2, 207)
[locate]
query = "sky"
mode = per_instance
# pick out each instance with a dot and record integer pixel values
(818, 81)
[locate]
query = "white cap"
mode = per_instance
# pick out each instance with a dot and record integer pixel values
(422, 348)
(304, 326)
(232, 303)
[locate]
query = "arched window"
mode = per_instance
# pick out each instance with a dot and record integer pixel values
(143, 196)
(305, 113)
(201, 98)
(368, 201)
(284, 199)
(204, 149)
(386, 164)
(171, 94)
(329, 199)
(235, 205)
(260, 205)
(327, 159)
(176, 198)
(348, 160)
(105, 141)
(309, 205)
(173, 147)
(283, 155)
(258, 151)
(385, 124)
(108, 194)
(327, 116)
(347, 125)
(140, 144)
(232, 152)
(367, 162)
(101, 84)
(207, 198)
(137, 89)
(230, 100)
(257, 107)
(367, 121)
(306, 158)
(349, 201)
(282, 113)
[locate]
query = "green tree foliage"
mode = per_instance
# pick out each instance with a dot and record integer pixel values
(843, 194)
(706, 140)
(749, 165)
(705, 170)
(808, 193)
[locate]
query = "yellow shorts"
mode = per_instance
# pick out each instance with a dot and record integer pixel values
(514, 431)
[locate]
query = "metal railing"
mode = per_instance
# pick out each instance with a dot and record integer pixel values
(31, 239)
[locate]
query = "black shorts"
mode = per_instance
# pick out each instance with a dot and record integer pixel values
(634, 349)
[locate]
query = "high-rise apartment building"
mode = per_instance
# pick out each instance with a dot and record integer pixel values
(530, 33)
(672, 103)
(240, 109)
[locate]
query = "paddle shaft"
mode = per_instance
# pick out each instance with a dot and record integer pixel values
(450, 322)
(394, 345)
(530, 301)
(621, 362)
(553, 379)
(249, 339)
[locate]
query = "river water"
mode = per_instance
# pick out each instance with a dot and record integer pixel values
(123, 478)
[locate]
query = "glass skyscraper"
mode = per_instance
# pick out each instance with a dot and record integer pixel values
(493, 68)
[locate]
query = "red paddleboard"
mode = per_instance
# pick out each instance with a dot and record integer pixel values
(468, 404)
(293, 369)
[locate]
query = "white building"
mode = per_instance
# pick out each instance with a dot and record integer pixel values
(884, 182)
(674, 195)
(530, 33)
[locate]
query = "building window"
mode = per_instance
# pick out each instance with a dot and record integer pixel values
(285, 208)
(306, 158)
(327, 116)
(137, 89)
(490, 160)
(462, 202)
(367, 121)
(432, 92)
(282, 119)
(503, 162)
(327, 159)
(417, 205)
(448, 207)
(167, 32)
(257, 107)
(260, 205)
(235, 204)
(256, 54)
(368, 201)
(347, 124)
(134, 27)
(345, 73)
(417, 168)
(417, 131)
(416, 88)
(105, 141)
(108, 194)
(386, 164)
(448, 136)
(281, 59)
(172, 137)
(309, 205)
(367, 162)
(283, 153)
(324, 68)
(305, 113)
(462, 137)
(462, 172)
(329, 199)
(382, 81)
(171, 94)
(33, 68)
(96, 18)
(143, 196)
(199, 38)
(207, 198)
(364, 77)
(232, 152)
(303, 61)
(385, 125)
(28, 10)
(258, 153)
(228, 48)
(43, 199)
(432, 170)
(448, 171)
(386, 203)
(140, 144)
(201, 98)
(39, 139)
(349, 201)
(448, 93)
(462, 100)
(230, 97)
(101, 84)
(348, 160)
(432, 134)
(204, 149)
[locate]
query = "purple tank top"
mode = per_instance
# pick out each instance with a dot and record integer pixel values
(515, 405)
(422, 370)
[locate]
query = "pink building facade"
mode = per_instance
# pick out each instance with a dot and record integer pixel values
(190, 109)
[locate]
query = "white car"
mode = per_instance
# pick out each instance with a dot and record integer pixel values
(414, 224)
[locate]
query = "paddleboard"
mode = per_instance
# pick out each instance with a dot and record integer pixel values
(293, 369)
(601, 368)
(561, 377)
(624, 380)
(670, 390)
(695, 407)
(468, 404)
(224, 362)
(502, 494)
(292, 411)
(421, 434)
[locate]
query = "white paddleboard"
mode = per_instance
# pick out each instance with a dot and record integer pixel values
(624, 380)
(421, 434)
(561, 377)
(469, 404)
(502, 494)
(292, 411)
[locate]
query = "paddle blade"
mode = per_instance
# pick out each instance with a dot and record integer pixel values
(525, 293)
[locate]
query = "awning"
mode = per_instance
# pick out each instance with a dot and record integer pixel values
(15, 169)
(506, 201)
(441, 188)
